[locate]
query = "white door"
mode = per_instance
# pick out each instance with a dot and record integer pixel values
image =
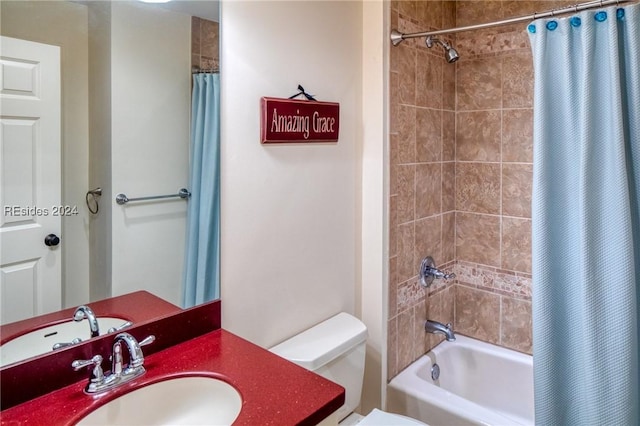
(30, 179)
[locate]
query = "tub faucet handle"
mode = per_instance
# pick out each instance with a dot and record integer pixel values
(428, 272)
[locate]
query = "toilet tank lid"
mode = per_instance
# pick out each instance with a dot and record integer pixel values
(324, 342)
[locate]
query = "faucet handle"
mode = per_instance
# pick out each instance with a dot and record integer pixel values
(97, 380)
(120, 327)
(147, 340)
(428, 272)
(97, 375)
(80, 364)
(60, 345)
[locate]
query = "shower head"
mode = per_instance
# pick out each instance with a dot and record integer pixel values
(451, 54)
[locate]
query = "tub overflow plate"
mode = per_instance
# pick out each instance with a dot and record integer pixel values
(435, 372)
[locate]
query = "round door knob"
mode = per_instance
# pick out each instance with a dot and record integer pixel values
(51, 240)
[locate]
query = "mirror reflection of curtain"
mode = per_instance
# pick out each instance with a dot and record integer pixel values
(202, 258)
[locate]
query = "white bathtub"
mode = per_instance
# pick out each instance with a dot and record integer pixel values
(479, 384)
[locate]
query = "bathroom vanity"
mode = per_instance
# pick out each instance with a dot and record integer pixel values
(189, 343)
(273, 391)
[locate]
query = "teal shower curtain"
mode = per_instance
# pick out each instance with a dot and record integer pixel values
(586, 217)
(202, 254)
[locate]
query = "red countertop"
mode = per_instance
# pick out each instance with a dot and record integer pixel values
(274, 391)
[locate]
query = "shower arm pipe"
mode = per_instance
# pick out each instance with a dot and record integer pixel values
(397, 37)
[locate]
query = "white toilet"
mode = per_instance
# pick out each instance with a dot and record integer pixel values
(335, 349)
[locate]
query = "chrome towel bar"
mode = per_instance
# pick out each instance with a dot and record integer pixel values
(123, 199)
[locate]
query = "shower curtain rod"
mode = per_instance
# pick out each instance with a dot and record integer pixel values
(397, 36)
(204, 71)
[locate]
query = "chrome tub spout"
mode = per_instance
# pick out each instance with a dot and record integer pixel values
(436, 327)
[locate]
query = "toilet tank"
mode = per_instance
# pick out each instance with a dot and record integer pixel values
(334, 349)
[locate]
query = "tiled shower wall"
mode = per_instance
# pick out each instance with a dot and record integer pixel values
(422, 179)
(461, 144)
(204, 44)
(494, 156)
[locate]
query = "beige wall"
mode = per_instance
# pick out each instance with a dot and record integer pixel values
(100, 147)
(304, 226)
(289, 212)
(65, 24)
(371, 291)
(150, 110)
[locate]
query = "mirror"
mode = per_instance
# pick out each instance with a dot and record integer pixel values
(52, 332)
(124, 108)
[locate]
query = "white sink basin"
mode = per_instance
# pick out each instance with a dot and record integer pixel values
(41, 341)
(181, 401)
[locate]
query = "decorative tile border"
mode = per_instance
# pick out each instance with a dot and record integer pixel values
(410, 293)
(509, 283)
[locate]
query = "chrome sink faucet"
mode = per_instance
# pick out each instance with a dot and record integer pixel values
(136, 358)
(83, 312)
(100, 382)
(436, 327)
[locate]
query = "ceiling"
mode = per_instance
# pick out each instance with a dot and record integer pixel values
(207, 9)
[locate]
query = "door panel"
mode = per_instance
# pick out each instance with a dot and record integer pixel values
(30, 179)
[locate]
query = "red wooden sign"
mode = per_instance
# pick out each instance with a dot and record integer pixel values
(294, 121)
